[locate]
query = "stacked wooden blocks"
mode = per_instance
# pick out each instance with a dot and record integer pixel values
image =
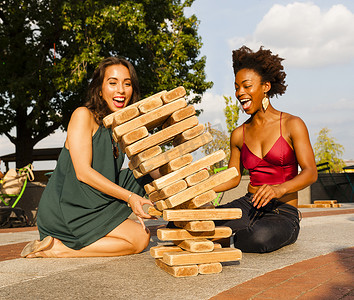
(184, 192)
(321, 204)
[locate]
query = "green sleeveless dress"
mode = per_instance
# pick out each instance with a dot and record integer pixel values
(76, 213)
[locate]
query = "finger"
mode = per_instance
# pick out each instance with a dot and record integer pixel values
(142, 222)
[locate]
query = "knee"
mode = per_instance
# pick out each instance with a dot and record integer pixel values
(259, 241)
(141, 241)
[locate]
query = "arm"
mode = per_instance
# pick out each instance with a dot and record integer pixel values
(301, 143)
(79, 142)
(233, 162)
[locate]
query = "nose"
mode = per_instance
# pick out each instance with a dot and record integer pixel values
(120, 88)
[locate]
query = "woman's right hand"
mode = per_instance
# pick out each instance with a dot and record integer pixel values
(136, 203)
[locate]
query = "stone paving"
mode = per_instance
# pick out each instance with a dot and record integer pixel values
(320, 265)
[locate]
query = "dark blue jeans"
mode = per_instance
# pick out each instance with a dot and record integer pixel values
(262, 230)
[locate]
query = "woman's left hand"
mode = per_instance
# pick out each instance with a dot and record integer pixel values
(264, 194)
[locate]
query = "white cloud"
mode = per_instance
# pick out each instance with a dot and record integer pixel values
(304, 35)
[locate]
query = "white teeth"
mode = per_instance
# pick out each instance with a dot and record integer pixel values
(244, 100)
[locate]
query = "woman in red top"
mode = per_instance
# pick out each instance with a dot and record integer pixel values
(270, 144)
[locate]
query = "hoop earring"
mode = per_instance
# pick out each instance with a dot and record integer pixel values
(265, 102)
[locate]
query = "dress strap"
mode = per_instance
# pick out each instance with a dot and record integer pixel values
(280, 123)
(243, 131)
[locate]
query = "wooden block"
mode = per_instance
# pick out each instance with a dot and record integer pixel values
(174, 94)
(149, 188)
(201, 187)
(176, 234)
(325, 201)
(119, 117)
(150, 120)
(198, 201)
(150, 105)
(314, 205)
(158, 251)
(336, 205)
(212, 268)
(196, 226)
(135, 135)
(108, 120)
(190, 258)
(136, 160)
(197, 177)
(152, 211)
(188, 134)
(137, 173)
(200, 245)
(178, 271)
(180, 115)
(176, 164)
(164, 158)
(202, 214)
(161, 136)
(161, 205)
(200, 164)
(167, 191)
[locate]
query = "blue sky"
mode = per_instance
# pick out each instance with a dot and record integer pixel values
(315, 38)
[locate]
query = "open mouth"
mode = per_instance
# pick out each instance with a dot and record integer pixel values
(119, 101)
(246, 103)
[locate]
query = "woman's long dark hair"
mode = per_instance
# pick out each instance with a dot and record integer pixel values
(95, 102)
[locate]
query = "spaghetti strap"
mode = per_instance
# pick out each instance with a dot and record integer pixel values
(243, 131)
(280, 123)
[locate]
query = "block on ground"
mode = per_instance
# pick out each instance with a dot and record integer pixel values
(202, 163)
(211, 268)
(190, 258)
(178, 271)
(200, 245)
(175, 234)
(325, 201)
(202, 187)
(164, 158)
(195, 226)
(202, 214)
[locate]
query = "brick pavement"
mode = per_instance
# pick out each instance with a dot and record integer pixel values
(329, 276)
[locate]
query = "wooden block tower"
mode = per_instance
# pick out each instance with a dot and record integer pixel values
(185, 190)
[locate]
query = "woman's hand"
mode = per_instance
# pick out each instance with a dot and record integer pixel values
(266, 193)
(136, 203)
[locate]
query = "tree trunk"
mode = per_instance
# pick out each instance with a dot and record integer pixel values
(24, 143)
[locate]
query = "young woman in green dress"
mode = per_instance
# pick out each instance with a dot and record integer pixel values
(84, 209)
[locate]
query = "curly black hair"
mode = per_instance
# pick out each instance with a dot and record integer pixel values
(267, 65)
(95, 102)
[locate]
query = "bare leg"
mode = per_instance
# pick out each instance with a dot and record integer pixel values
(127, 238)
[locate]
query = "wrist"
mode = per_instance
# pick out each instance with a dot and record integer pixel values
(129, 198)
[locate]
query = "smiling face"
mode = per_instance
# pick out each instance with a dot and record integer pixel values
(117, 88)
(250, 90)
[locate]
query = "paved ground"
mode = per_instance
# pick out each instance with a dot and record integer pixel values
(320, 265)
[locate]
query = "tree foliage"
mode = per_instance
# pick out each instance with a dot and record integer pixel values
(49, 50)
(327, 150)
(232, 114)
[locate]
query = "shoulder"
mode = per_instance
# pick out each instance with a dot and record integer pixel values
(236, 138)
(82, 116)
(293, 124)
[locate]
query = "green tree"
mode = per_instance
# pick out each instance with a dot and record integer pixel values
(327, 150)
(232, 114)
(220, 141)
(49, 49)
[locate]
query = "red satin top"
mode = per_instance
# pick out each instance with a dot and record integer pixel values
(277, 166)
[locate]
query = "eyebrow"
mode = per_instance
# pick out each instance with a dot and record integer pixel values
(244, 81)
(128, 78)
